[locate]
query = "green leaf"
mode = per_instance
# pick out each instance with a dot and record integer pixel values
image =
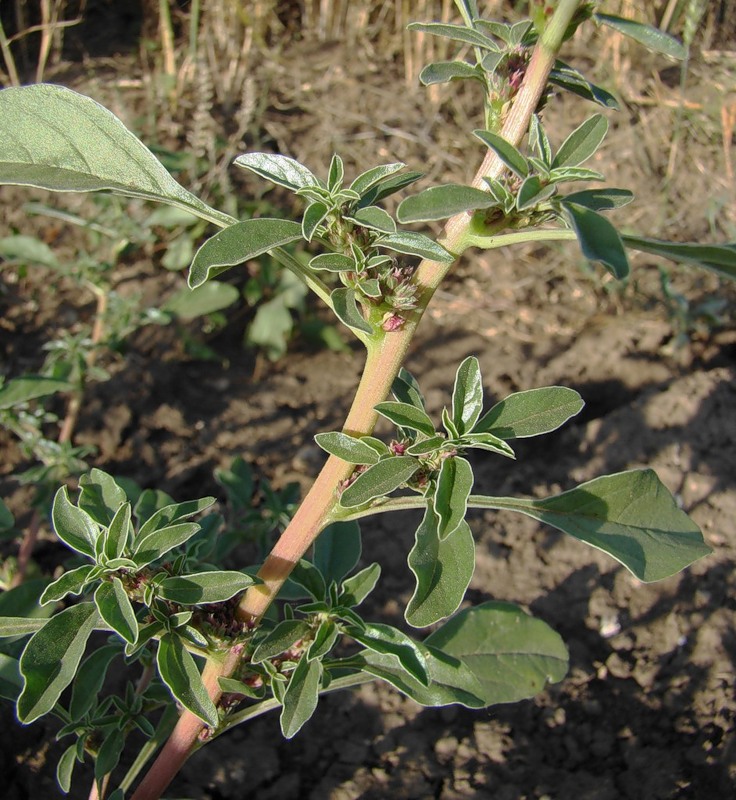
(388, 186)
(598, 239)
(568, 78)
(174, 512)
(116, 609)
(357, 587)
(451, 495)
(406, 389)
(272, 327)
(306, 575)
(346, 308)
(179, 672)
(278, 169)
(442, 568)
(388, 640)
(28, 249)
(280, 639)
(457, 33)
(446, 71)
(374, 176)
(56, 139)
(487, 441)
(582, 142)
(19, 626)
(324, 640)
(416, 244)
(629, 515)
(313, 216)
(425, 446)
(374, 218)
(406, 416)
(117, 535)
(65, 768)
(73, 525)
(441, 202)
(51, 658)
(71, 582)
(379, 480)
(100, 496)
(720, 258)
(512, 655)
(337, 550)
(200, 588)
(336, 173)
(109, 753)
(239, 243)
(532, 192)
(531, 413)
(539, 141)
(510, 156)
(333, 262)
(601, 199)
(158, 542)
(89, 680)
(348, 448)
(467, 395)
(301, 696)
(188, 304)
(450, 680)
(29, 387)
(652, 38)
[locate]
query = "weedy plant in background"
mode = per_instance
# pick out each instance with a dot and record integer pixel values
(213, 648)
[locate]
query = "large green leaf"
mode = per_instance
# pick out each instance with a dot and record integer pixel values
(348, 448)
(301, 696)
(100, 496)
(188, 304)
(467, 395)
(73, 525)
(116, 609)
(405, 415)
(510, 156)
(390, 641)
(29, 387)
(582, 142)
(179, 672)
(89, 680)
(512, 655)
(51, 658)
(629, 515)
(56, 139)
(451, 681)
(416, 244)
(337, 550)
(378, 480)
(720, 258)
(71, 582)
(652, 38)
(598, 239)
(442, 568)
(200, 588)
(239, 243)
(278, 169)
(346, 308)
(280, 639)
(531, 413)
(441, 202)
(457, 33)
(454, 484)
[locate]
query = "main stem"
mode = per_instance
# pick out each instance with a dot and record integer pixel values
(385, 357)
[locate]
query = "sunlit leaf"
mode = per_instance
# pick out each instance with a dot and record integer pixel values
(56, 139)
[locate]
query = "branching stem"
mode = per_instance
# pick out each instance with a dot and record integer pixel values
(385, 356)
